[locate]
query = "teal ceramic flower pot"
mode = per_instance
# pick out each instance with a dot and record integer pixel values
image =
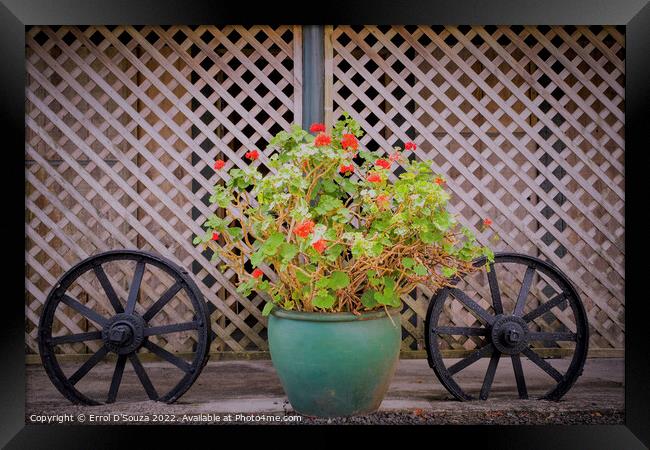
(334, 364)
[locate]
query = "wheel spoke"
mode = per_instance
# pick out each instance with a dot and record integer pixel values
(89, 364)
(164, 329)
(117, 379)
(144, 378)
(477, 309)
(80, 337)
(84, 310)
(461, 331)
(519, 376)
(546, 367)
(489, 375)
(162, 301)
(135, 287)
(164, 354)
(494, 290)
(108, 288)
(523, 293)
(471, 359)
(544, 307)
(534, 336)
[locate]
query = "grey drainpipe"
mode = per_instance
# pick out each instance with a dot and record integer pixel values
(313, 75)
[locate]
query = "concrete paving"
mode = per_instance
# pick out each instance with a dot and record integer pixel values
(415, 395)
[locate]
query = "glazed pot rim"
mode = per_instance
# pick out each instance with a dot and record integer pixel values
(333, 317)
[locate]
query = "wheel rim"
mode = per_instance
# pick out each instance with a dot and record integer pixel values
(125, 332)
(509, 332)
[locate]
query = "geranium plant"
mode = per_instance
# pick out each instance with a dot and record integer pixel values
(332, 229)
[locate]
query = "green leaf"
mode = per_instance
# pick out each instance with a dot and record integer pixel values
(349, 186)
(267, 308)
(216, 222)
(197, 240)
(449, 271)
(334, 252)
(339, 280)
(368, 299)
(442, 220)
(375, 249)
(420, 270)
(343, 215)
(388, 297)
(323, 283)
(380, 225)
(372, 278)
(302, 276)
(430, 237)
(271, 245)
(221, 196)
(235, 232)
(257, 258)
(246, 287)
(324, 300)
(329, 186)
(328, 203)
(288, 251)
(408, 262)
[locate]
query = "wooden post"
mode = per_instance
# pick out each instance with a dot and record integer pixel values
(313, 75)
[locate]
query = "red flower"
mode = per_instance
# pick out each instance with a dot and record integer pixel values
(383, 163)
(320, 245)
(317, 128)
(257, 273)
(305, 228)
(439, 181)
(346, 169)
(322, 140)
(487, 222)
(395, 156)
(219, 163)
(382, 200)
(349, 141)
(374, 178)
(252, 155)
(215, 235)
(410, 146)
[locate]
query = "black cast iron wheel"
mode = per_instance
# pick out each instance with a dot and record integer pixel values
(124, 331)
(509, 333)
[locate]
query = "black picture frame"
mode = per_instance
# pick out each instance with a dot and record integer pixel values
(634, 14)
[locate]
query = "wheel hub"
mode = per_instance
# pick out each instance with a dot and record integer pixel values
(509, 334)
(124, 333)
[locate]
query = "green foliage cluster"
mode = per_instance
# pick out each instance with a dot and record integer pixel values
(324, 238)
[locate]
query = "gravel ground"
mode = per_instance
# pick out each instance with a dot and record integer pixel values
(249, 392)
(419, 417)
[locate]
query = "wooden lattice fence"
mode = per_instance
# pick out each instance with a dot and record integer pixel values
(123, 124)
(528, 125)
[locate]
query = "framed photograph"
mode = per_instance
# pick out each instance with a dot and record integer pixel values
(381, 214)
